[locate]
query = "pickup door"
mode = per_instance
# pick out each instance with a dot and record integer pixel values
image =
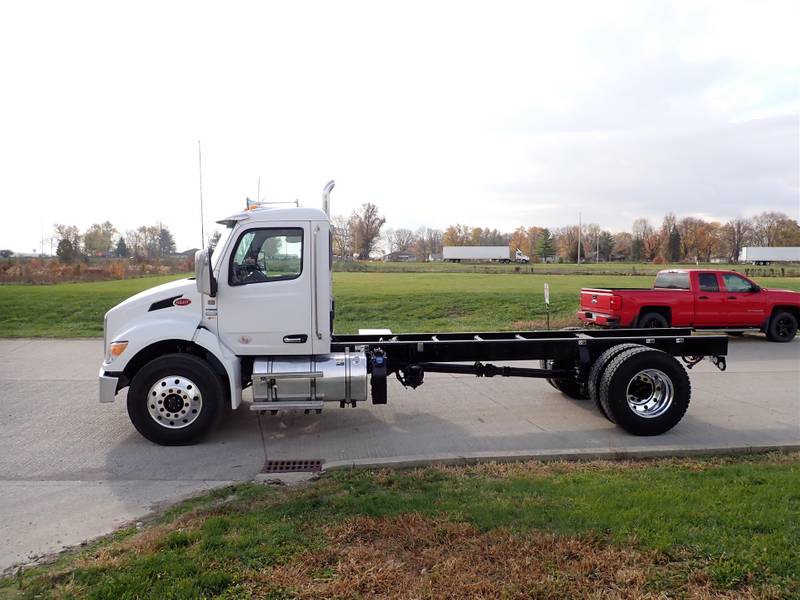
(744, 306)
(709, 306)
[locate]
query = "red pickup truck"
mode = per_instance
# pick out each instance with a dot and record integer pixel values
(698, 298)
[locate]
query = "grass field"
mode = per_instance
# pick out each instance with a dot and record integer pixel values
(650, 529)
(403, 302)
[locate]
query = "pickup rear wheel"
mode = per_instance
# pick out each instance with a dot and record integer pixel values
(645, 391)
(599, 368)
(566, 385)
(175, 399)
(782, 327)
(652, 320)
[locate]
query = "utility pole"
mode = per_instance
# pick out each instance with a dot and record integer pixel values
(580, 231)
(597, 256)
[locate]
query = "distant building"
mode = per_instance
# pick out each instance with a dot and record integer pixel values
(435, 257)
(400, 257)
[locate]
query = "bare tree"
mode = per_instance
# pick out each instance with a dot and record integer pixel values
(367, 223)
(737, 234)
(399, 240)
(343, 237)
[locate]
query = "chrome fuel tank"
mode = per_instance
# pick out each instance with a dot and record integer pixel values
(331, 377)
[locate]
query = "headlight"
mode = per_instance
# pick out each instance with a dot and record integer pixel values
(114, 350)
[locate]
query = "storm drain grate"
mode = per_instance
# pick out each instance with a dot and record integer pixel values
(293, 466)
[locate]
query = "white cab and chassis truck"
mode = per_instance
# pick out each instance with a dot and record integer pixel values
(501, 254)
(259, 313)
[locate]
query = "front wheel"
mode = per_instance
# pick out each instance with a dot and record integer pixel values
(782, 327)
(645, 391)
(174, 399)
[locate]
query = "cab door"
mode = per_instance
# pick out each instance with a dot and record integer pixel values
(264, 291)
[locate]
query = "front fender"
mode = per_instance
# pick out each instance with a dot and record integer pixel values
(144, 334)
(231, 363)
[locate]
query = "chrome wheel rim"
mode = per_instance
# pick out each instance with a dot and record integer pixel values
(174, 402)
(650, 393)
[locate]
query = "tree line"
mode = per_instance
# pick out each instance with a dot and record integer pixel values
(688, 239)
(147, 242)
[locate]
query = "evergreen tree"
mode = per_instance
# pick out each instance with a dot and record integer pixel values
(121, 250)
(544, 245)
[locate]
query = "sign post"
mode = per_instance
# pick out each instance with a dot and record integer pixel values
(547, 303)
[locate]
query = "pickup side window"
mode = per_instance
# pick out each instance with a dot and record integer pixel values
(736, 283)
(268, 254)
(672, 280)
(708, 282)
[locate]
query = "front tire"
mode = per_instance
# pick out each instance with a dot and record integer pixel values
(174, 399)
(782, 327)
(645, 391)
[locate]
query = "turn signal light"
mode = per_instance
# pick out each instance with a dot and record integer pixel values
(115, 349)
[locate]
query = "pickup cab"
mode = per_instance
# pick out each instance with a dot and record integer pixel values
(699, 298)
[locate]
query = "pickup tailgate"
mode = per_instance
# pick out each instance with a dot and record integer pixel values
(596, 300)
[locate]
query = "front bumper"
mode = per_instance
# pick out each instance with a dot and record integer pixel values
(108, 386)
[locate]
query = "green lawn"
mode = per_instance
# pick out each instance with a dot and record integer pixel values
(403, 302)
(666, 528)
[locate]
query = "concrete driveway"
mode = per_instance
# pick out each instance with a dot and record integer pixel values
(72, 469)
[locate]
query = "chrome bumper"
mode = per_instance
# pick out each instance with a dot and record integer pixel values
(108, 387)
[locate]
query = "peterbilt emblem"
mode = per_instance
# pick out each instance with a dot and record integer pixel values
(182, 302)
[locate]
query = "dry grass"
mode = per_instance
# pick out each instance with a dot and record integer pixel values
(411, 556)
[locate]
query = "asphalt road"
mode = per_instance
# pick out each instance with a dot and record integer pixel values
(72, 469)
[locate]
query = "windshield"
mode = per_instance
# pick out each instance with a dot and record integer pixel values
(220, 246)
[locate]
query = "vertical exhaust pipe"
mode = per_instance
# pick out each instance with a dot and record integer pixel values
(326, 197)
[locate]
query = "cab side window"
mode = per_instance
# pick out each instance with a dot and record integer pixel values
(708, 282)
(268, 254)
(735, 283)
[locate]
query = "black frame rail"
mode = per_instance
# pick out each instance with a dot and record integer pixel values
(581, 346)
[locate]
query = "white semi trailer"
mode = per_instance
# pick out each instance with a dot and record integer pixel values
(764, 255)
(259, 314)
(501, 254)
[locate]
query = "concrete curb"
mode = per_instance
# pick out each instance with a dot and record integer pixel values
(571, 454)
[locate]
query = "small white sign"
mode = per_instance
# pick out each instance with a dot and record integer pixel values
(547, 293)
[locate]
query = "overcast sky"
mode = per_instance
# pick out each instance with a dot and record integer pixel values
(492, 114)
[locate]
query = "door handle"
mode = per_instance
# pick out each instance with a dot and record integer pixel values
(731, 297)
(702, 297)
(298, 338)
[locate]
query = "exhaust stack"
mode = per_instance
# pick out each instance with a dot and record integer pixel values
(326, 197)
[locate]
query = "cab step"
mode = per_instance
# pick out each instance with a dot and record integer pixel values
(288, 405)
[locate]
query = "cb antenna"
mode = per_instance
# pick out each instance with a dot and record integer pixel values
(202, 225)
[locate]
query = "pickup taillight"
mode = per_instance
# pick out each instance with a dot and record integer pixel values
(616, 302)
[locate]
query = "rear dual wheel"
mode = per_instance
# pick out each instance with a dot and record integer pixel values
(644, 391)
(566, 385)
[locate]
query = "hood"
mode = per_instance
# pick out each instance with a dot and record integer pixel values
(155, 303)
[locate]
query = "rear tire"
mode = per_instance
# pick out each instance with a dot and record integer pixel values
(782, 327)
(652, 320)
(645, 391)
(566, 385)
(186, 408)
(599, 368)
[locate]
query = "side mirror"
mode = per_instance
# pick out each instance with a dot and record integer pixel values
(202, 273)
(755, 288)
